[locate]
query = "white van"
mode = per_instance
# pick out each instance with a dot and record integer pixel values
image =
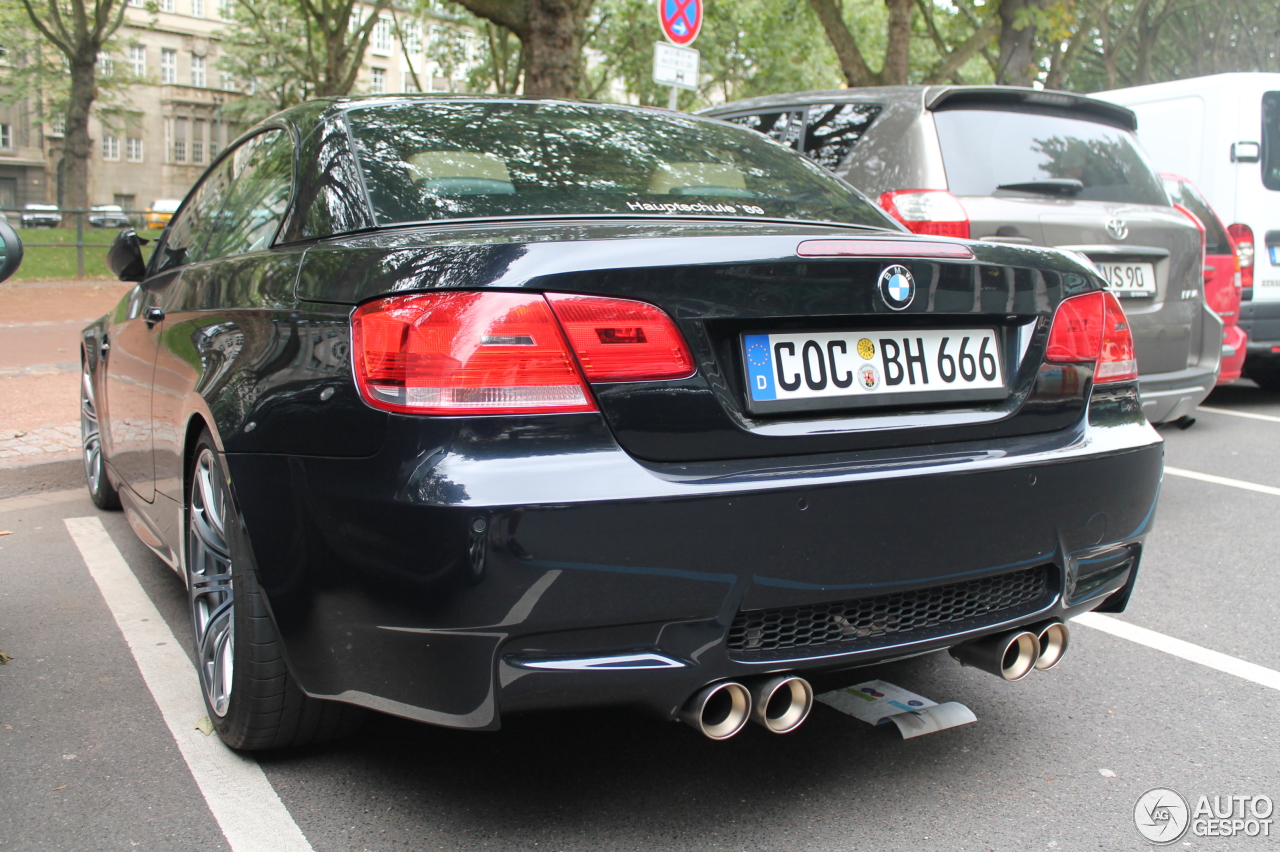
(1223, 133)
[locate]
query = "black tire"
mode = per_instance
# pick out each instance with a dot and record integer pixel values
(252, 698)
(101, 492)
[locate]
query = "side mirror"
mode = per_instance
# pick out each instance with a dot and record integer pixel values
(10, 250)
(124, 258)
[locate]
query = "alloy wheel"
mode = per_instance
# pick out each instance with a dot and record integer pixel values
(209, 564)
(90, 434)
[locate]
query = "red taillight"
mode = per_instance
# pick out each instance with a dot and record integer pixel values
(465, 353)
(1093, 327)
(618, 340)
(1242, 239)
(928, 211)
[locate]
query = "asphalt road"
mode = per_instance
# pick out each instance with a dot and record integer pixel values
(1055, 762)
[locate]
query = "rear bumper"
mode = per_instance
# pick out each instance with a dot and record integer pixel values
(467, 571)
(1168, 396)
(1234, 351)
(1261, 322)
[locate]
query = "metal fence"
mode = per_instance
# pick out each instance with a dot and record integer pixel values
(65, 219)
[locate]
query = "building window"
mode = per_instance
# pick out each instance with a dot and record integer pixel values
(168, 66)
(106, 65)
(138, 4)
(382, 36)
(58, 124)
(213, 139)
(127, 203)
(356, 20)
(133, 149)
(110, 148)
(228, 81)
(197, 141)
(176, 130)
(166, 5)
(138, 60)
(6, 135)
(225, 10)
(409, 84)
(377, 80)
(412, 32)
(197, 71)
(197, 8)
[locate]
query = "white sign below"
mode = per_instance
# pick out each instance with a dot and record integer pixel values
(675, 66)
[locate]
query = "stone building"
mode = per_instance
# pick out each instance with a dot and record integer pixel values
(173, 124)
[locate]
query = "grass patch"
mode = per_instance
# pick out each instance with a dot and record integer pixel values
(59, 261)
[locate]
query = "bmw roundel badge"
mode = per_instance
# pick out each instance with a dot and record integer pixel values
(897, 287)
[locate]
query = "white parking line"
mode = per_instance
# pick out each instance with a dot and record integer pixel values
(1249, 414)
(1178, 648)
(242, 800)
(1223, 480)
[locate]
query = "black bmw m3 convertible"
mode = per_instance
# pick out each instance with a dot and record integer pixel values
(461, 407)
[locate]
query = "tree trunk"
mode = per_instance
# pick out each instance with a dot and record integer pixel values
(1017, 63)
(831, 15)
(76, 145)
(897, 54)
(553, 47)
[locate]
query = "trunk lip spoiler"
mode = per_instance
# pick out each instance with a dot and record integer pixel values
(884, 248)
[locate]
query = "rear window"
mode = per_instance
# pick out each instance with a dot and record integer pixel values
(460, 160)
(985, 149)
(1215, 236)
(1271, 140)
(829, 131)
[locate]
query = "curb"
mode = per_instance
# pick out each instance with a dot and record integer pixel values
(54, 475)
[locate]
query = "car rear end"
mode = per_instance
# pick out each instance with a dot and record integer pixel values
(619, 461)
(1222, 279)
(1054, 169)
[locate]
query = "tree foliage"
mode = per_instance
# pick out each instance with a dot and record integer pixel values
(77, 33)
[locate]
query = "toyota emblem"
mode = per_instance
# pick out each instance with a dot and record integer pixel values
(1117, 228)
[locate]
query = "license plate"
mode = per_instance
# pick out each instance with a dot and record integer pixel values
(1129, 279)
(872, 366)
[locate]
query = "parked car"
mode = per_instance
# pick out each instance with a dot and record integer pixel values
(514, 405)
(10, 250)
(108, 216)
(1223, 133)
(1222, 280)
(40, 216)
(1021, 166)
(161, 211)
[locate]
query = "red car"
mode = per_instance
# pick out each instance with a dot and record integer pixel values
(1222, 284)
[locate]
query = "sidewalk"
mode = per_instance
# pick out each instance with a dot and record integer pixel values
(40, 323)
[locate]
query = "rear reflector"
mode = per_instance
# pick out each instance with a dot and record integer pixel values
(1092, 328)
(883, 248)
(618, 340)
(465, 353)
(928, 211)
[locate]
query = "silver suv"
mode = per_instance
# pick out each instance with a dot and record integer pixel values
(1024, 166)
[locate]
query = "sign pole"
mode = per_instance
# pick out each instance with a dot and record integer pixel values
(675, 63)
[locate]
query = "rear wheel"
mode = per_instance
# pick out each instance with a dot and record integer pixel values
(95, 468)
(252, 699)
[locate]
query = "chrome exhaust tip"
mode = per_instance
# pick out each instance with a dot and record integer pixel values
(719, 711)
(1054, 638)
(782, 703)
(1010, 655)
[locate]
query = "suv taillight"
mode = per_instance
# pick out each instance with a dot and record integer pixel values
(506, 353)
(1093, 327)
(928, 211)
(1242, 239)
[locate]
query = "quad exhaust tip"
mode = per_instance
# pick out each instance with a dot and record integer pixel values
(1054, 638)
(719, 711)
(1011, 655)
(782, 703)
